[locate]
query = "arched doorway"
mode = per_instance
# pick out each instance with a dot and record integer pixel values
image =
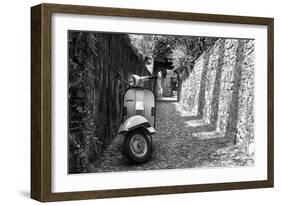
(168, 85)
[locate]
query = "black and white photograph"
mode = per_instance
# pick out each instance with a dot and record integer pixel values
(154, 102)
(134, 102)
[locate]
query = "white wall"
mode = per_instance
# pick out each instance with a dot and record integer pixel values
(15, 101)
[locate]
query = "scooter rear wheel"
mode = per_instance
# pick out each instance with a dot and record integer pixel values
(137, 147)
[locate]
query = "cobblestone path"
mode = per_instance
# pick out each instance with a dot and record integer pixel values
(174, 147)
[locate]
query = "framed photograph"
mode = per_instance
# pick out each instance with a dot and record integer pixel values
(130, 102)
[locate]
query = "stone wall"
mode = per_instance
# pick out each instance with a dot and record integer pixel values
(224, 86)
(227, 80)
(212, 80)
(190, 88)
(95, 94)
(245, 120)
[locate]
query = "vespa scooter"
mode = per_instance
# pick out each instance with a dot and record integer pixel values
(138, 117)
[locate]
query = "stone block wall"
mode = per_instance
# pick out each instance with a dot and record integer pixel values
(245, 121)
(227, 83)
(226, 92)
(212, 79)
(190, 88)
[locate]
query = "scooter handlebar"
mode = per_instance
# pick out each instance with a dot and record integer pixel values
(143, 78)
(136, 79)
(153, 77)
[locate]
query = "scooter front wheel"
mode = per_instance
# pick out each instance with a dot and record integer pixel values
(137, 147)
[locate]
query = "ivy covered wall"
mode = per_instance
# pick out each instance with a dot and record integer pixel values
(95, 94)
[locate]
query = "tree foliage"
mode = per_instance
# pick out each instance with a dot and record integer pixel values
(182, 51)
(82, 49)
(162, 51)
(144, 44)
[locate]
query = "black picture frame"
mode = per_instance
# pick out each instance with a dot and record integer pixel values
(41, 115)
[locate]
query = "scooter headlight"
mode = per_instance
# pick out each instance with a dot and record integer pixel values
(134, 80)
(131, 80)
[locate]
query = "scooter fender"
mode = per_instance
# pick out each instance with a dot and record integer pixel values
(134, 122)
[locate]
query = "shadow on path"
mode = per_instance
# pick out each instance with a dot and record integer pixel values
(173, 147)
